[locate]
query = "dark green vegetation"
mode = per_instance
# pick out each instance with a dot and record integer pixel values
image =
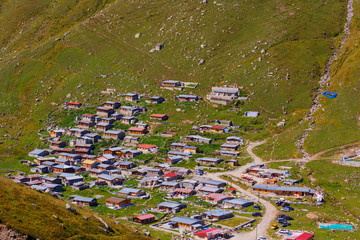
(32, 213)
(275, 50)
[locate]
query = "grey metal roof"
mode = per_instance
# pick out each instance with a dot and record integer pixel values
(170, 81)
(217, 213)
(62, 166)
(83, 199)
(129, 190)
(238, 201)
(282, 188)
(112, 132)
(126, 163)
(186, 220)
(213, 182)
(211, 189)
(107, 177)
(188, 96)
(180, 153)
(171, 204)
(172, 184)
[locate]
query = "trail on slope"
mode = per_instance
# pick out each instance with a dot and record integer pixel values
(324, 82)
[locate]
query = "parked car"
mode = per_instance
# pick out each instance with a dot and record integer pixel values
(257, 207)
(281, 220)
(287, 209)
(282, 204)
(256, 214)
(285, 224)
(261, 238)
(286, 217)
(274, 226)
(283, 231)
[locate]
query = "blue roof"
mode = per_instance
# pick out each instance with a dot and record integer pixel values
(83, 199)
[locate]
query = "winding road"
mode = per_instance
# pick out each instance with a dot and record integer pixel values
(270, 210)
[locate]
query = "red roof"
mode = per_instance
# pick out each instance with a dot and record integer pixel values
(170, 174)
(136, 129)
(74, 103)
(145, 216)
(88, 115)
(182, 190)
(158, 115)
(207, 232)
(217, 127)
(147, 146)
(232, 189)
(301, 236)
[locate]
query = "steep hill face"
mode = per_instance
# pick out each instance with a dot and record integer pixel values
(275, 50)
(39, 215)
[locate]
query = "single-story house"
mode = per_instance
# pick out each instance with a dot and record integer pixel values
(170, 83)
(104, 112)
(110, 180)
(161, 117)
(237, 203)
(210, 233)
(137, 131)
(115, 202)
(230, 146)
(85, 201)
(188, 98)
(129, 111)
(217, 214)
(217, 198)
(208, 190)
(235, 140)
(73, 105)
(169, 185)
(199, 139)
(61, 168)
(183, 192)
(170, 207)
(126, 165)
(209, 160)
(144, 219)
(131, 192)
(148, 148)
(219, 129)
(111, 105)
(131, 97)
(282, 190)
(170, 176)
(186, 223)
(173, 159)
(251, 114)
(131, 140)
(156, 100)
(38, 153)
(116, 135)
(129, 120)
(213, 183)
(300, 236)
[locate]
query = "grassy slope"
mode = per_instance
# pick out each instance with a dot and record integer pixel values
(338, 122)
(296, 36)
(18, 211)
